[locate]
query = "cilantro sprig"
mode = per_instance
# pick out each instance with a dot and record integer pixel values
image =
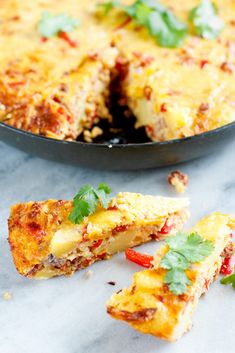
(229, 280)
(86, 201)
(50, 25)
(161, 23)
(205, 20)
(184, 250)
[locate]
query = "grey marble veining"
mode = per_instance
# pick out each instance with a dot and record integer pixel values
(67, 315)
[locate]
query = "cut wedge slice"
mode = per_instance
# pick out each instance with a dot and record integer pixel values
(150, 307)
(45, 243)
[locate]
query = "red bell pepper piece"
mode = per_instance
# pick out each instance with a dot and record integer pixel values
(166, 228)
(227, 266)
(143, 260)
(66, 37)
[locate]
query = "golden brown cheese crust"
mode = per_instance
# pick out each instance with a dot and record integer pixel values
(150, 307)
(41, 231)
(58, 90)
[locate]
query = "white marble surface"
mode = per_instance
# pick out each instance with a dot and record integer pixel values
(67, 315)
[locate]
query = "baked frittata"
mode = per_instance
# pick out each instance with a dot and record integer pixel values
(61, 86)
(149, 305)
(45, 243)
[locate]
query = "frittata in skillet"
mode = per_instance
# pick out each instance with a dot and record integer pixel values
(45, 243)
(57, 84)
(156, 305)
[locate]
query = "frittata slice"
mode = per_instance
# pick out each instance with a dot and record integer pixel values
(150, 307)
(45, 243)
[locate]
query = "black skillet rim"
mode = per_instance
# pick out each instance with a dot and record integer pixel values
(119, 146)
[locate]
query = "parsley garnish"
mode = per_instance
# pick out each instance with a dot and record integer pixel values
(229, 280)
(50, 25)
(161, 23)
(86, 201)
(205, 20)
(184, 249)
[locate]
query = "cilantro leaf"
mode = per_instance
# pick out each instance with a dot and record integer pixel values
(205, 20)
(79, 211)
(184, 249)
(102, 194)
(229, 280)
(91, 199)
(161, 23)
(50, 25)
(177, 276)
(139, 11)
(177, 241)
(177, 280)
(167, 29)
(154, 5)
(83, 192)
(174, 260)
(192, 246)
(86, 201)
(104, 187)
(178, 288)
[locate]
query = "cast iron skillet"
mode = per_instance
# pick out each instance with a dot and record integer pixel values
(119, 156)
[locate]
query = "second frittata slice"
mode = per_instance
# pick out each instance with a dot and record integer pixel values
(161, 300)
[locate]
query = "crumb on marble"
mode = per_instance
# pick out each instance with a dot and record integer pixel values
(7, 296)
(88, 274)
(178, 180)
(111, 283)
